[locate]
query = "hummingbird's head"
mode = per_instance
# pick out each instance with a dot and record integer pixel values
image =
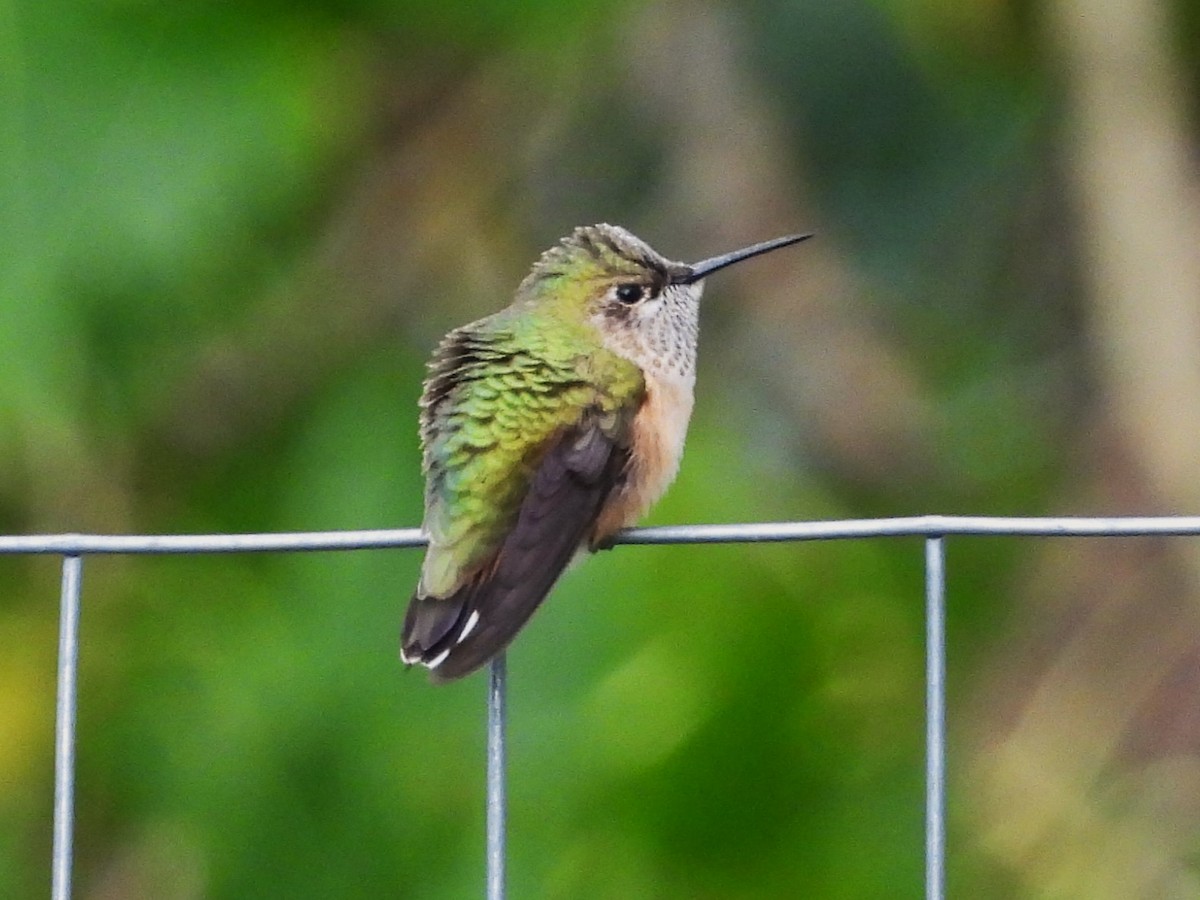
(645, 306)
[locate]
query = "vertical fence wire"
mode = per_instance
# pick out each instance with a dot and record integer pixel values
(935, 718)
(64, 728)
(497, 800)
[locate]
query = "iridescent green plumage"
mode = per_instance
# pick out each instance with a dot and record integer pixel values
(499, 391)
(546, 428)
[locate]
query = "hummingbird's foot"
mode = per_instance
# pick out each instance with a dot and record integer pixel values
(605, 543)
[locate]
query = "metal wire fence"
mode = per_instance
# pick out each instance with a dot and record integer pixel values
(74, 548)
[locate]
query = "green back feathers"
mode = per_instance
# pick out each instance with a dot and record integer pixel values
(499, 392)
(502, 389)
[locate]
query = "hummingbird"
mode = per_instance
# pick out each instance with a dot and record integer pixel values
(548, 427)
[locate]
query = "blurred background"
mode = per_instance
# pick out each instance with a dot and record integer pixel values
(230, 235)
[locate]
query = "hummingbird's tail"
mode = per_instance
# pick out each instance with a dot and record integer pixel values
(456, 634)
(433, 627)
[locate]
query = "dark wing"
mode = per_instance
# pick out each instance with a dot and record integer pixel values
(457, 634)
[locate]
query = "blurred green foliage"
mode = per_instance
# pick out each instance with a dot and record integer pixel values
(231, 234)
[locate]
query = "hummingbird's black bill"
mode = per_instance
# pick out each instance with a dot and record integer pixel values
(706, 267)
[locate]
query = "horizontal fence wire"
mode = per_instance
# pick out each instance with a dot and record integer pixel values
(934, 529)
(756, 532)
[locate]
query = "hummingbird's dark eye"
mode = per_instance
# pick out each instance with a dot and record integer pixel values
(630, 293)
